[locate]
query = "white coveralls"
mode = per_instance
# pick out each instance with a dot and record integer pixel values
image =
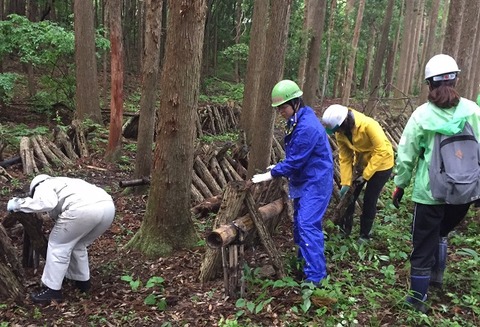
(82, 212)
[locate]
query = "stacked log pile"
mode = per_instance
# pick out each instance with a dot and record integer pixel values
(217, 119)
(38, 152)
(214, 167)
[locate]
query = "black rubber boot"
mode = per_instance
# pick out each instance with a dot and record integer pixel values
(46, 296)
(83, 286)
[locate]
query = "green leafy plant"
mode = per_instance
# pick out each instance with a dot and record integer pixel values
(153, 299)
(134, 283)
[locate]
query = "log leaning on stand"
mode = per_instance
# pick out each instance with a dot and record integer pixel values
(226, 234)
(230, 207)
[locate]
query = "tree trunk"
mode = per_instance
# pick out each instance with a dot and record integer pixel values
(146, 125)
(331, 25)
(238, 33)
(405, 46)
(254, 66)
(315, 21)
(413, 56)
(466, 60)
(367, 67)
(86, 93)
(353, 53)
(451, 41)
(167, 224)
(117, 70)
(380, 55)
(429, 47)
(272, 68)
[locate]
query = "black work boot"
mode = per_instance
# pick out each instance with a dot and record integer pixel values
(83, 286)
(46, 296)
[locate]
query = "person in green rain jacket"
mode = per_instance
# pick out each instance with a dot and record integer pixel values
(364, 147)
(446, 113)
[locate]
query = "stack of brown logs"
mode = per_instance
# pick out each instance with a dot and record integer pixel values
(39, 152)
(217, 119)
(214, 167)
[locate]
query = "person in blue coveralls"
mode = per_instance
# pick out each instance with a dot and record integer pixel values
(308, 165)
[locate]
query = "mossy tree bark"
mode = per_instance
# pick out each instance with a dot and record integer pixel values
(167, 224)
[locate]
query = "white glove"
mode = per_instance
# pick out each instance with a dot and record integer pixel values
(270, 167)
(13, 205)
(261, 177)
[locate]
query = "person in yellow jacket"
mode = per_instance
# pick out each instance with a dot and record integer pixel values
(365, 157)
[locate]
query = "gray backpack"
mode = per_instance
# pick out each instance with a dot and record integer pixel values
(455, 167)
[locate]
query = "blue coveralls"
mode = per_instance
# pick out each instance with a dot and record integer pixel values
(309, 167)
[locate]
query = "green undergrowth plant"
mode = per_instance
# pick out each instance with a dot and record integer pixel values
(215, 90)
(155, 285)
(225, 137)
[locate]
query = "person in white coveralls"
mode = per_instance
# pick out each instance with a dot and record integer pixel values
(82, 212)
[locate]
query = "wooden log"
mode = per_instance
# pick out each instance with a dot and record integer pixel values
(206, 176)
(52, 157)
(211, 121)
(11, 272)
(232, 202)
(4, 176)
(196, 196)
(278, 150)
(26, 153)
(80, 138)
(241, 171)
(265, 236)
(207, 206)
(198, 124)
(135, 182)
(200, 185)
(223, 151)
(66, 160)
(10, 162)
(227, 234)
(39, 153)
(217, 172)
(227, 168)
(63, 141)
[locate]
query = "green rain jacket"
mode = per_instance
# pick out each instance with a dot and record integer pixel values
(416, 144)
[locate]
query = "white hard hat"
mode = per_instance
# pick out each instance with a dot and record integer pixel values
(333, 117)
(439, 65)
(37, 180)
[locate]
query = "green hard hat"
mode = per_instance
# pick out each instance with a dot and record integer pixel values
(284, 91)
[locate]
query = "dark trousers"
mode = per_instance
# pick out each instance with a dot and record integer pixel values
(373, 189)
(430, 223)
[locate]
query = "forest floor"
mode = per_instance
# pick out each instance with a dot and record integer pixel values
(116, 302)
(111, 300)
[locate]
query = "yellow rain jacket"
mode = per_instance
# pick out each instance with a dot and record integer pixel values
(369, 144)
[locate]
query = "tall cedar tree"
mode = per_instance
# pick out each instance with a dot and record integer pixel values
(308, 75)
(254, 66)
(87, 99)
(272, 72)
(117, 70)
(151, 55)
(167, 224)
